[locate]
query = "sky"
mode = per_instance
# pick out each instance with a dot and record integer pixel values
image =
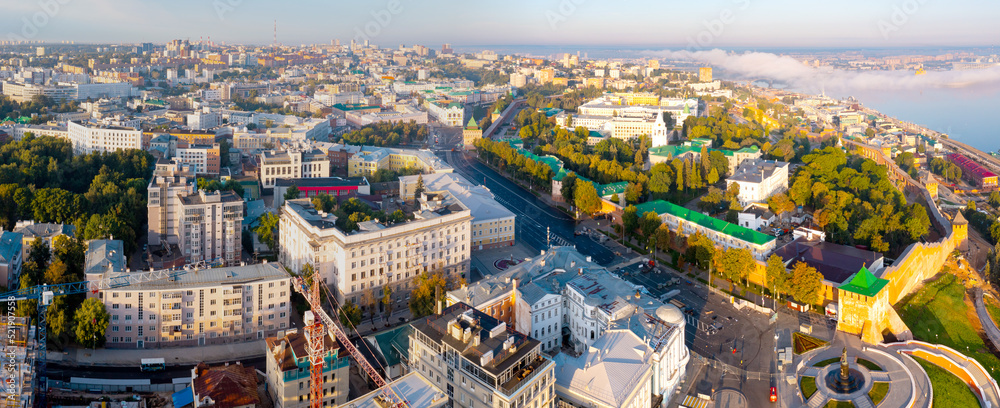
(698, 24)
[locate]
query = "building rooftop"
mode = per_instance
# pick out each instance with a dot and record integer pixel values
(480, 200)
(104, 255)
(229, 386)
(835, 262)
(322, 182)
(756, 171)
(234, 275)
(416, 390)
(10, 246)
(864, 283)
(610, 370)
(203, 197)
(289, 349)
(662, 207)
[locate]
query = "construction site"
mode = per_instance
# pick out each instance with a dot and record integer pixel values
(18, 365)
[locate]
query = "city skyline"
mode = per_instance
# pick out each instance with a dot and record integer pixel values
(736, 23)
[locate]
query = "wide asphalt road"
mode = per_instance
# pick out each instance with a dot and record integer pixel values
(534, 216)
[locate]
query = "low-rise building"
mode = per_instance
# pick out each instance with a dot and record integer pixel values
(759, 180)
(292, 164)
(227, 386)
(311, 187)
(30, 230)
(371, 159)
(199, 307)
(493, 225)
(288, 371)
(480, 361)
(413, 388)
(756, 217)
(724, 234)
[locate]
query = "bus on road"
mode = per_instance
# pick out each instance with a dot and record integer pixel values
(152, 364)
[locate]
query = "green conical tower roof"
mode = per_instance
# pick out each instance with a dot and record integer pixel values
(864, 283)
(472, 124)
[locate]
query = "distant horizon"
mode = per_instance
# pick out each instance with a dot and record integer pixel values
(645, 23)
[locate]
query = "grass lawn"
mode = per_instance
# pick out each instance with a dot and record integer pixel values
(870, 365)
(839, 404)
(878, 392)
(827, 362)
(808, 385)
(938, 313)
(992, 307)
(949, 391)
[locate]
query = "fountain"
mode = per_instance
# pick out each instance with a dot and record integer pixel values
(846, 380)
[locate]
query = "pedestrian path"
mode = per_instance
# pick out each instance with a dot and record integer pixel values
(989, 326)
(172, 356)
(965, 368)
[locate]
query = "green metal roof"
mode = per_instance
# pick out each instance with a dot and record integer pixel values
(614, 188)
(354, 107)
(742, 233)
(864, 283)
(472, 124)
(393, 343)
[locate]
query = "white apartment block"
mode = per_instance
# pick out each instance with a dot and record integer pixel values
(39, 131)
(89, 139)
(204, 120)
(164, 194)
(199, 307)
(492, 223)
(759, 180)
(292, 164)
(203, 159)
(288, 371)
(437, 241)
(209, 227)
(480, 362)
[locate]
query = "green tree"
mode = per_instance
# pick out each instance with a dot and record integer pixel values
(350, 314)
(649, 222)
(700, 250)
(630, 219)
(292, 192)
(633, 193)
(970, 205)
(419, 189)
(57, 273)
(70, 252)
(39, 254)
(568, 187)
(324, 202)
(425, 294)
(777, 275)
(59, 317)
(713, 177)
(995, 199)
(387, 300)
(806, 284)
(586, 199)
(267, 230)
(91, 323)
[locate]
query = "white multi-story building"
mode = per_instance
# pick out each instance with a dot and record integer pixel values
(168, 185)
(89, 139)
(203, 159)
(759, 180)
(377, 255)
(39, 131)
(292, 164)
(204, 120)
(724, 234)
(616, 373)
(492, 223)
(200, 307)
(479, 361)
(565, 290)
(209, 227)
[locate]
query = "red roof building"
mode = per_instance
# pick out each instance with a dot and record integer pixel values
(973, 171)
(228, 386)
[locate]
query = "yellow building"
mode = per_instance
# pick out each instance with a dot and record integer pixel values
(595, 82)
(471, 133)
(705, 74)
(646, 99)
(371, 159)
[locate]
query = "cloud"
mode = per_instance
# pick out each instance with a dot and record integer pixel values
(759, 65)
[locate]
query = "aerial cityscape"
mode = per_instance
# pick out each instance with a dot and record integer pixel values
(558, 204)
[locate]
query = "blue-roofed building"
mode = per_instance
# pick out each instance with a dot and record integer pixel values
(46, 231)
(10, 258)
(104, 255)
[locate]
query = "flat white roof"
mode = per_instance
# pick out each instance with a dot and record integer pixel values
(413, 387)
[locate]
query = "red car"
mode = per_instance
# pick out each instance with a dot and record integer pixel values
(774, 394)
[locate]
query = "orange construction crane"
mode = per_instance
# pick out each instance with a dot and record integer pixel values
(314, 332)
